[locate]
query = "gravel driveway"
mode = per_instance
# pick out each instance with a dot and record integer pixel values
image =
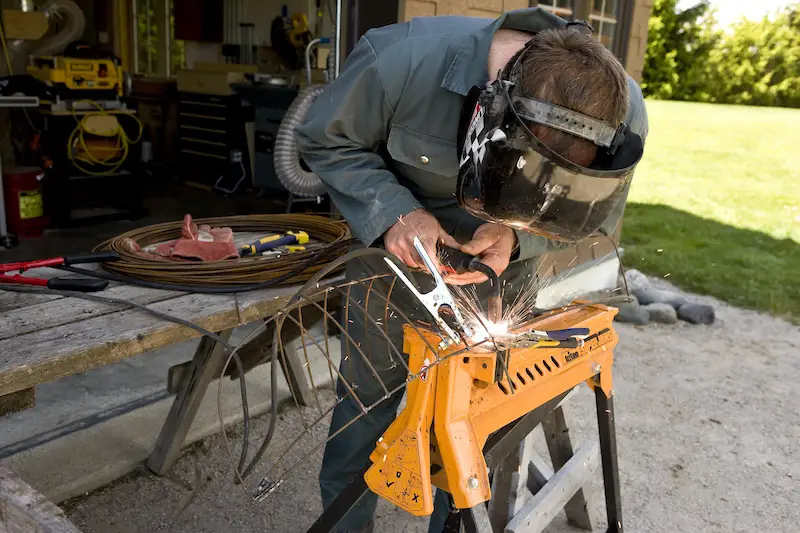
(708, 425)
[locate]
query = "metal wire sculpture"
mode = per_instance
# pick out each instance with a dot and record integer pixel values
(332, 306)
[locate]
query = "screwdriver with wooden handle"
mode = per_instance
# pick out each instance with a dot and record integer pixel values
(270, 242)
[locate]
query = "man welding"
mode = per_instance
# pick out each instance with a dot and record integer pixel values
(506, 138)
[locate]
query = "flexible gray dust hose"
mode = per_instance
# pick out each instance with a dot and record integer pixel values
(287, 157)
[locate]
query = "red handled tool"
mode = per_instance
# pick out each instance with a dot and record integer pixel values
(64, 284)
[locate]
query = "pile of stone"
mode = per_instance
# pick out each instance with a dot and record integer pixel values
(650, 304)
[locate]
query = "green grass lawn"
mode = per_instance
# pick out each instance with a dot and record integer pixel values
(715, 203)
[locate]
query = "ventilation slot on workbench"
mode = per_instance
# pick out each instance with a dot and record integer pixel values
(504, 388)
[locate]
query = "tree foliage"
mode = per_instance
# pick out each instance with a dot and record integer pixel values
(752, 62)
(758, 62)
(678, 47)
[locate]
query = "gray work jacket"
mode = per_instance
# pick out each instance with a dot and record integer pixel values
(382, 136)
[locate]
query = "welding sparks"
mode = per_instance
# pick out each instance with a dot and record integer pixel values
(497, 329)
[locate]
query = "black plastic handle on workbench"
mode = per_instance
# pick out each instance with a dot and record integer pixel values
(77, 284)
(566, 334)
(93, 257)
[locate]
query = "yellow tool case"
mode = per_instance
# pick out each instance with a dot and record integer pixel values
(78, 77)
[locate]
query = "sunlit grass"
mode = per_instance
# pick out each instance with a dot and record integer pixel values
(718, 192)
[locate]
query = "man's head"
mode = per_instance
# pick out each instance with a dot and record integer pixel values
(571, 69)
(544, 148)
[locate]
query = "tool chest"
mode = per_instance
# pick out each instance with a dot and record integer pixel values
(210, 129)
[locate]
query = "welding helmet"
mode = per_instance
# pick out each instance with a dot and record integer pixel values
(508, 176)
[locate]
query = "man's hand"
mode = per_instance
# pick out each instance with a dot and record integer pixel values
(494, 244)
(399, 238)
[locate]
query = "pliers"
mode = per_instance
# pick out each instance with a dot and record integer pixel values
(437, 298)
(64, 284)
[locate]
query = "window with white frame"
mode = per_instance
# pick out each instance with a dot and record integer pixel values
(562, 8)
(604, 20)
(603, 16)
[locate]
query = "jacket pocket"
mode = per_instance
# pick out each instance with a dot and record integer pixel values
(422, 152)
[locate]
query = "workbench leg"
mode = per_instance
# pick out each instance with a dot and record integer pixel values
(203, 369)
(509, 485)
(476, 519)
(559, 444)
(540, 511)
(608, 454)
(296, 368)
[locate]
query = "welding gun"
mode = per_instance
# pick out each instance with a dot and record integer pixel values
(459, 262)
(271, 242)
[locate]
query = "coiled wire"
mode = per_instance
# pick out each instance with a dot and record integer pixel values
(333, 236)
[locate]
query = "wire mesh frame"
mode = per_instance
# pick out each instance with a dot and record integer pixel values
(319, 300)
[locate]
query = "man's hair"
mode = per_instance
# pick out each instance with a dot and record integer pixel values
(569, 68)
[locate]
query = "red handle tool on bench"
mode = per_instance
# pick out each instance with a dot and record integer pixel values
(64, 284)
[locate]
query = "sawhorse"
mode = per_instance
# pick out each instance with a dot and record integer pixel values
(516, 469)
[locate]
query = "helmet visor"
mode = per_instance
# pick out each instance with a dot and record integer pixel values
(510, 177)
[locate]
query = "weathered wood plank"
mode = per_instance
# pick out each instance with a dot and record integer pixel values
(28, 360)
(23, 510)
(17, 401)
(548, 502)
(10, 301)
(559, 444)
(501, 492)
(258, 304)
(204, 368)
(476, 520)
(539, 472)
(519, 479)
(54, 313)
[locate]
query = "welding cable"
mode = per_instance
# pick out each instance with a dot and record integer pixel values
(126, 304)
(495, 299)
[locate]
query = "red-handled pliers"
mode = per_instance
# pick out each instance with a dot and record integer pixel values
(64, 284)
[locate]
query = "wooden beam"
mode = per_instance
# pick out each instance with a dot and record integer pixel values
(24, 510)
(559, 444)
(548, 502)
(179, 420)
(519, 480)
(539, 473)
(501, 491)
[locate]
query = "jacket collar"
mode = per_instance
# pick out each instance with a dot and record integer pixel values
(470, 64)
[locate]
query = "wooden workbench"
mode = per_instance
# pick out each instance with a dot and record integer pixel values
(44, 338)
